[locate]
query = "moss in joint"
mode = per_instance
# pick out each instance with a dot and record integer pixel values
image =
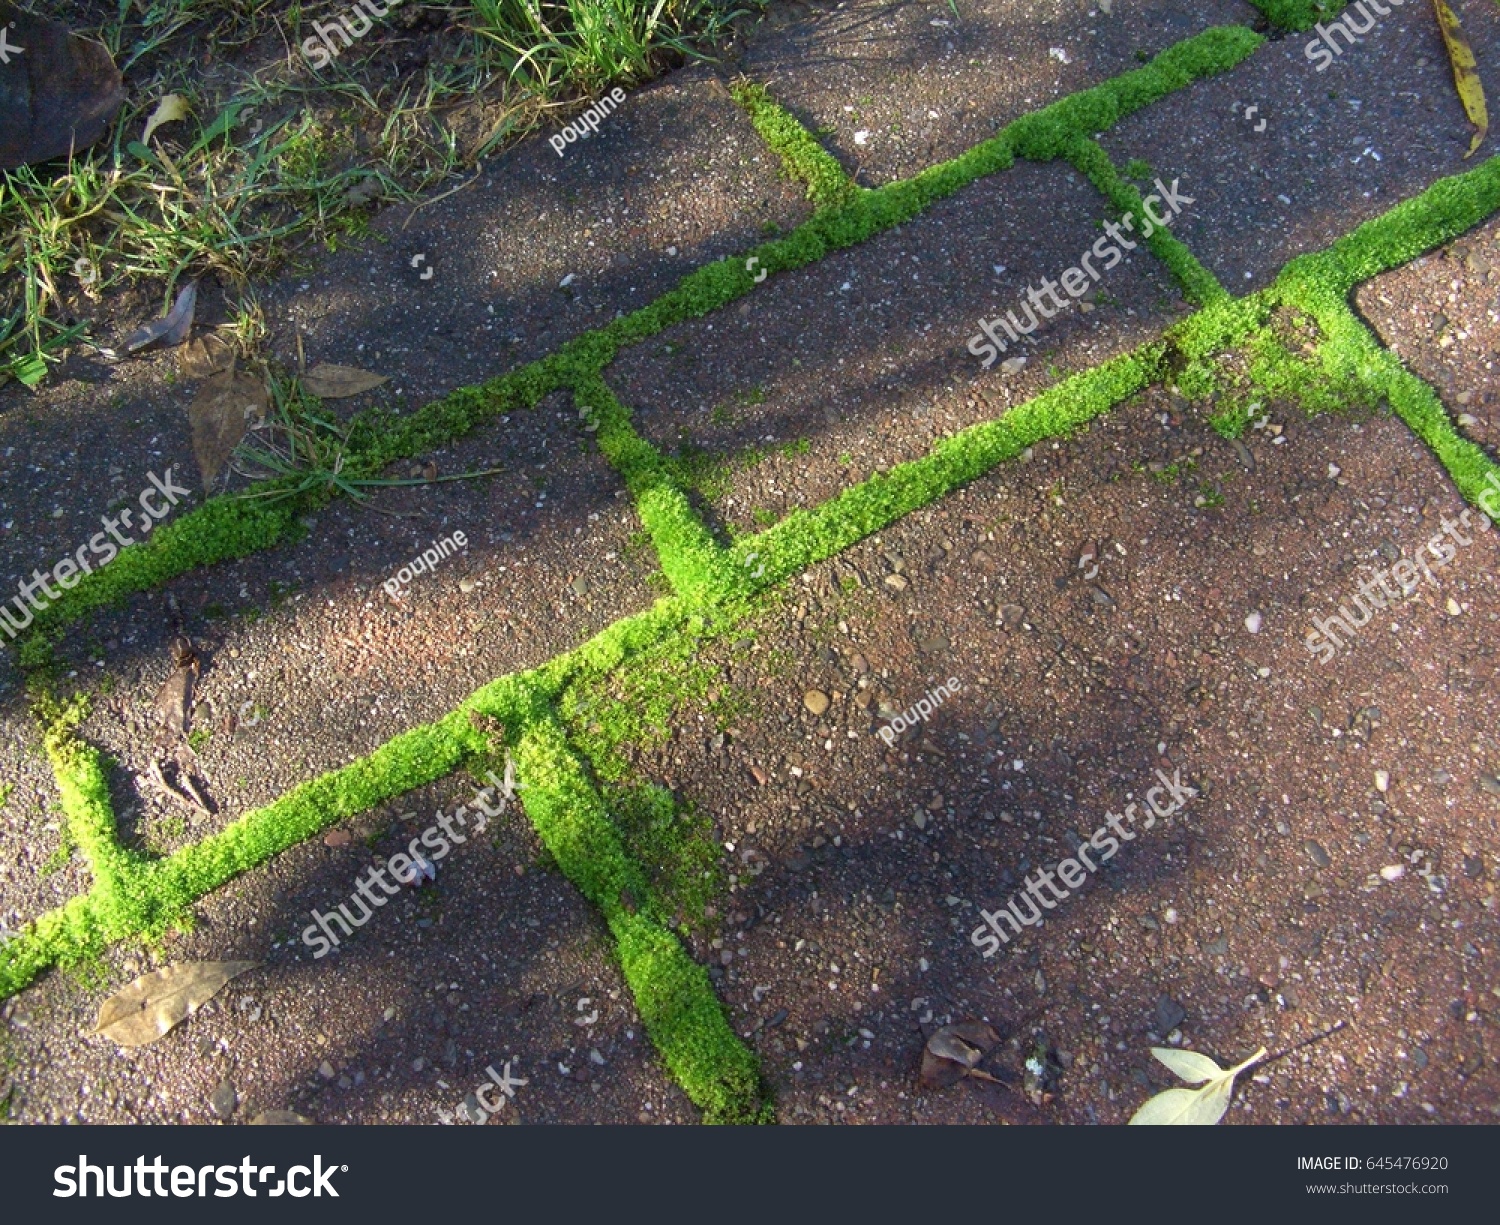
(1299, 14)
(806, 161)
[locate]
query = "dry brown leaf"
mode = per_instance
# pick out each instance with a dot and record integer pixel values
(953, 1051)
(224, 408)
(59, 95)
(157, 1002)
(280, 1118)
(329, 382)
(174, 699)
(172, 328)
(205, 357)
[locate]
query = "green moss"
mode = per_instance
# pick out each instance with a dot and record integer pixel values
(1198, 283)
(675, 847)
(805, 160)
(672, 993)
(1299, 14)
(612, 712)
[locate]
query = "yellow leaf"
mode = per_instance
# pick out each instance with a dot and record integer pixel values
(1465, 76)
(169, 110)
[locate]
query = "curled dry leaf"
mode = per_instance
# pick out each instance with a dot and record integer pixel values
(205, 357)
(172, 328)
(225, 407)
(60, 94)
(366, 191)
(280, 1118)
(157, 1002)
(169, 110)
(329, 382)
(174, 700)
(953, 1051)
(1204, 1106)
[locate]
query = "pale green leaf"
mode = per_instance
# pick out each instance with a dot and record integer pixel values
(169, 110)
(1201, 1107)
(1173, 1106)
(1189, 1065)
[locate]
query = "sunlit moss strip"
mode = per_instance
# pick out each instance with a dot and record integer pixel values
(221, 530)
(1198, 283)
(1352, 352)
(1438, 215)
(676, 1001)
(805, 537)
(65, 936)
(804, 158)
(1299, 14)
(84, 792)
(1322, 283)
(689, 558)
